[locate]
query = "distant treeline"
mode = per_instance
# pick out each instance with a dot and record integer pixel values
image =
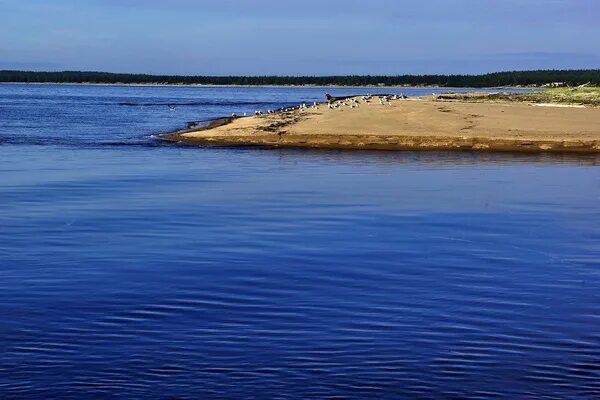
(510, 78)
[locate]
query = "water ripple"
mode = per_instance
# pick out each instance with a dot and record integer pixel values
(141, 271)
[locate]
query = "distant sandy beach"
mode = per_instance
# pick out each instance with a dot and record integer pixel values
(414, 124)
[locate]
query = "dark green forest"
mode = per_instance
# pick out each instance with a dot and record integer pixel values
(509, 78)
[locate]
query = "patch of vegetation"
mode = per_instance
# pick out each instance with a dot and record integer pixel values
(510, 78)
(589, 96)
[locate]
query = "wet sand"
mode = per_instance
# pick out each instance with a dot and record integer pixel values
(414, 124)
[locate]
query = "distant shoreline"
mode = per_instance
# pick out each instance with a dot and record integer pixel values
(517, 79)
(266, 86)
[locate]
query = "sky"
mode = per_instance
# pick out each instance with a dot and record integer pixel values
(305, 37)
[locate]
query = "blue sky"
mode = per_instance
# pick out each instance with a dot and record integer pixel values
(306, 37)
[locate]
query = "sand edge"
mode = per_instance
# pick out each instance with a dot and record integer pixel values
(397, 143)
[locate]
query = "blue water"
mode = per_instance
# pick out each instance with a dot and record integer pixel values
(132, 268)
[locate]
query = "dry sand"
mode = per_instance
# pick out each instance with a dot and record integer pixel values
(415, 124)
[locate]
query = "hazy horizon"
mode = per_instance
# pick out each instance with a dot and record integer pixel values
(381, 37)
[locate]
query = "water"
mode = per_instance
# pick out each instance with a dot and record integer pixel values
(139, 269)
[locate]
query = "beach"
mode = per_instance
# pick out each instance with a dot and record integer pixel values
(424, 123)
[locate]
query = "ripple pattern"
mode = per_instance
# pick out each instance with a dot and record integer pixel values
(177, 272)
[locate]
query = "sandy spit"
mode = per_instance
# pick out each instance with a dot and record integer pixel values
(414, 124)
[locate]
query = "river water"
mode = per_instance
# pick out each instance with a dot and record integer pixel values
(138, 269)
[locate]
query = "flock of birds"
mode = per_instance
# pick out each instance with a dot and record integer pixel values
(300, 107)
(333, 104)
(352, 102)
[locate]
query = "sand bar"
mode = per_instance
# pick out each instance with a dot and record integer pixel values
(414, 124)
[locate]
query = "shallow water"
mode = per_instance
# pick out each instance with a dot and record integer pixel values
(140, 269)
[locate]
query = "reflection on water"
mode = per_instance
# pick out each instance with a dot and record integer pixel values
(183, 272)
(447, 159)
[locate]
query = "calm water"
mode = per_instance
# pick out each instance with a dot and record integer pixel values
(137, 269)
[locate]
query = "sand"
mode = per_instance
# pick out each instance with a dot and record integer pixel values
(415, 124)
